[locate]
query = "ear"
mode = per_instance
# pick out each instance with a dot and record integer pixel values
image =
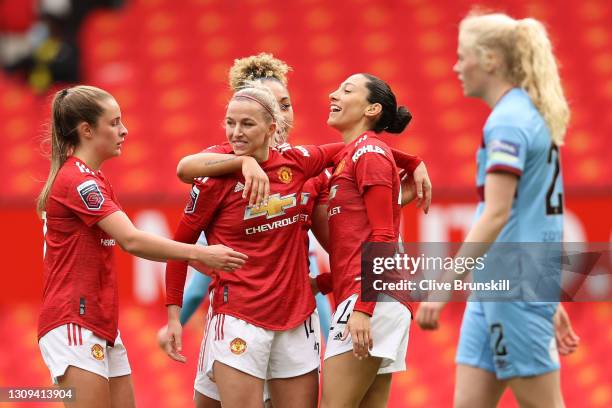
(373, 110)
(84, 130)
(490, 61)
(272, 129)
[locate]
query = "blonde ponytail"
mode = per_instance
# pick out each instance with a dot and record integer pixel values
(529, 62)
(538, 74)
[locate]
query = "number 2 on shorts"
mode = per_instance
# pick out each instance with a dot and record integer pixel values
(499, 349)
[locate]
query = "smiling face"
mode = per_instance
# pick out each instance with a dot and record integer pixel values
(109, 133)
(348, 104)
(469, 68)
(248, 128)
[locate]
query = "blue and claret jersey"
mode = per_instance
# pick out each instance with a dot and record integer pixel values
(517, 140)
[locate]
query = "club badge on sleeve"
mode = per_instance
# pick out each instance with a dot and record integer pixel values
(91, 195)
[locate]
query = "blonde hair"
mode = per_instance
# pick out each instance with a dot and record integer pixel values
(261, 66)
(529, 62)
(257, 92)
(70, 107)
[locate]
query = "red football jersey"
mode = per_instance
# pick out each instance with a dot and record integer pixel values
(367, 161)
(315, 192)
(272, 289)
(80, 284)
(322, 185)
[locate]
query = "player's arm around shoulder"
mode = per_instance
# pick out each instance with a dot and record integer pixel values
(196, 165)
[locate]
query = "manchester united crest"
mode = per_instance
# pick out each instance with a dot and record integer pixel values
(97, 352)
(285, 175)
(238, 346)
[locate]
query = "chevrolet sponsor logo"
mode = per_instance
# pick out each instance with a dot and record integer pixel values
(276, 206)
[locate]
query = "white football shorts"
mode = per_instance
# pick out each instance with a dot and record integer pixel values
(262, 353)
(390, 325)
(74, 345)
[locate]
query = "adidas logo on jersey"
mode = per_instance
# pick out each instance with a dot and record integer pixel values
(239, 187)
(338, 336)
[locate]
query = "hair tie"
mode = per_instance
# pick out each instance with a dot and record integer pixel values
(63, 93)
(256, 100)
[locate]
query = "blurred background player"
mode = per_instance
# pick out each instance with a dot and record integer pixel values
(77, 331)
(509, 64)
(48, 51)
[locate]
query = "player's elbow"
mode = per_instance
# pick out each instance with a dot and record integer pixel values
(181, 172)
(497, 217)
(130, 242)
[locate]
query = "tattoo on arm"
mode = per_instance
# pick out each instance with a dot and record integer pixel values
(213, 162)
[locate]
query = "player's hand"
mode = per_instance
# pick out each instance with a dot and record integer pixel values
(428, 315)
(422, 184)
(408, 190)
(567, 339)
(358, 326)
(174, 345)
(221, 257)
(162, 337)
(256, 182)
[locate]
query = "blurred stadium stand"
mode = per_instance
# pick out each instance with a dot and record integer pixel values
(166, 62)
